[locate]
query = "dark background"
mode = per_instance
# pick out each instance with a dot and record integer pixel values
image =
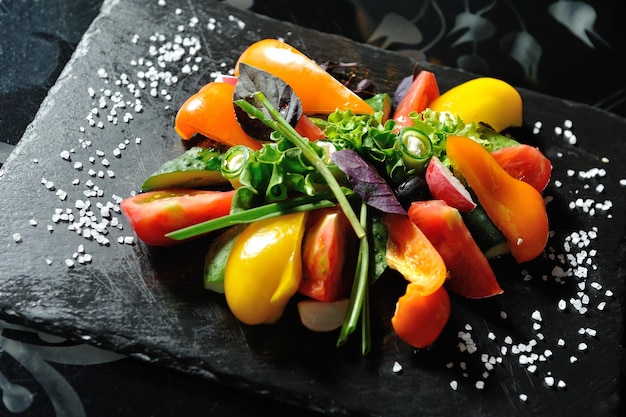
(37, 38)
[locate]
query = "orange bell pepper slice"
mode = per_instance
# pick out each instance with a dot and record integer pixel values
(419, 319)
(318, 91)
(514, 206)
(410, 252)
(211, 112)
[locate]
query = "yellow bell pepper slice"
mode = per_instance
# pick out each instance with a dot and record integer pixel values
(483, 99)
(264, 268)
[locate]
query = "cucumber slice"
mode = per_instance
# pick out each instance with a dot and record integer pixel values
(196, 168)
(486, 234)
(216, 257)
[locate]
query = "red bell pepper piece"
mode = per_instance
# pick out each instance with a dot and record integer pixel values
(469, 272)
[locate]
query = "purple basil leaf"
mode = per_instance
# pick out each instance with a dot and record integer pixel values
(402, 89)
(278, 92)
(404, 86)
(366, 181)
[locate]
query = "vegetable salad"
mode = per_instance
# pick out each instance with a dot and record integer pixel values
(312, 190)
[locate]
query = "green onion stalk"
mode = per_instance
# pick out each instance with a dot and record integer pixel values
(359, 297)
(279, 124)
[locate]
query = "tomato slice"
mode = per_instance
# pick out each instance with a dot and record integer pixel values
(419, 319)
(325, 251)
(526, 163)
(421, 93)
(154, 214)
(307, 129)
(470, 274)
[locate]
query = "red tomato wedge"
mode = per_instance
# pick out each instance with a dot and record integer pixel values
(154, 214)
(470, 274)
(421, 93)
(325, 249)
(410, 252)
(210, 112)
(526, 163)
(307, 129)
(419, 319)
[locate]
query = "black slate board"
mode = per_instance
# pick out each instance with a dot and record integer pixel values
(150, 303)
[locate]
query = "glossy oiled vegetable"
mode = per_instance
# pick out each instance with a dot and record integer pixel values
(514, 206)
(419, 319)
(410, 252)
(211, 113)
(484, 99)
(264, 268)
(443, 185)
(326, 249)
(469, 272)
(196, 168)
(283, 233)
(423, 90)
(319, 92)
(154, 214)
(525, 163)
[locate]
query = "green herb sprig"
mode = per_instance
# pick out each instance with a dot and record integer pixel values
(293, 205)
(358, 306)
(280, 125)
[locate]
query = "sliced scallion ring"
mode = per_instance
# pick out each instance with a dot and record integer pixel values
(235, 160)
(416, 148)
